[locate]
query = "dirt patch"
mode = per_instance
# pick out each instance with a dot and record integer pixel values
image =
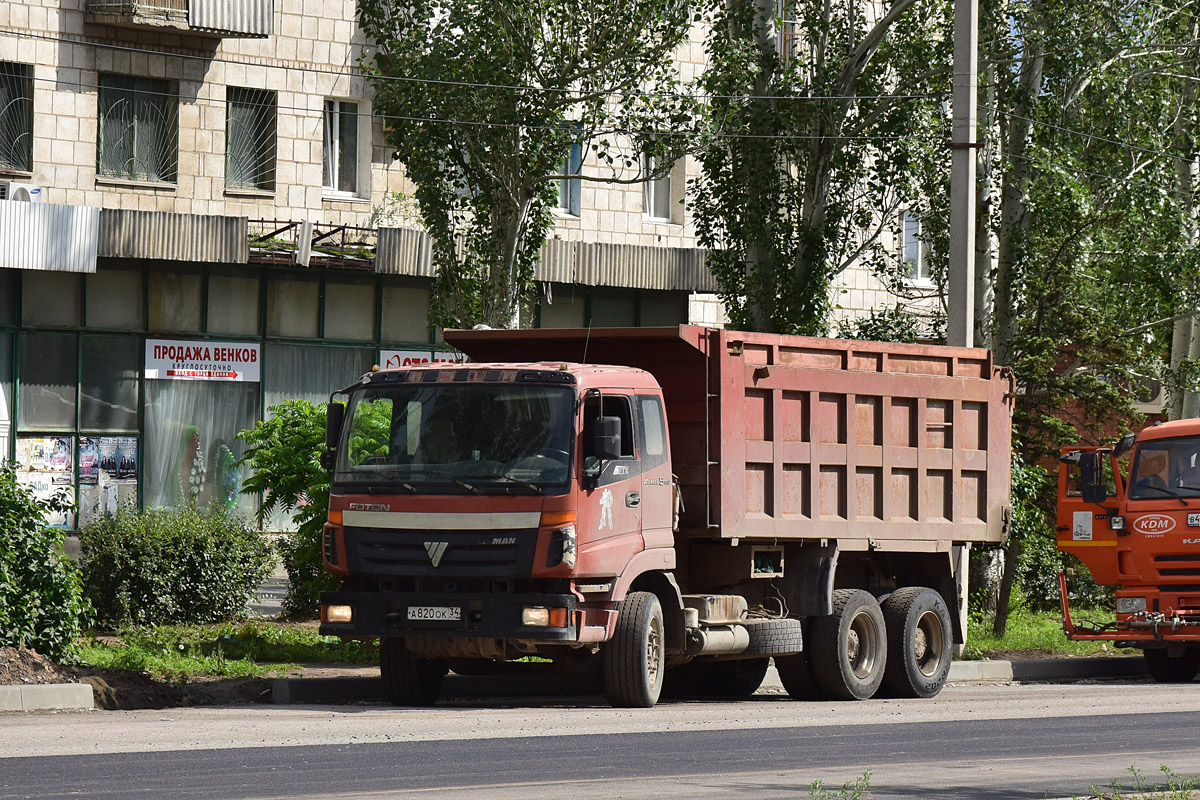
(124, 690)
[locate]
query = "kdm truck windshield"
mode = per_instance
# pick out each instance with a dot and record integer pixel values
(456, 438)
(1166, 468)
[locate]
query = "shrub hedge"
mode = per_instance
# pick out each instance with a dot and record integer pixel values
(41, 603)
(171, 566)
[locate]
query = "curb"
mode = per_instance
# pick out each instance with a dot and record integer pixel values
(286, 691)
(47, 697)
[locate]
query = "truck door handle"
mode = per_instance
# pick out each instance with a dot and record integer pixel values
(633, 499)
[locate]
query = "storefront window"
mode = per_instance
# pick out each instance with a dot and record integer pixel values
(46, 464)
(175, 301)
(311, 373)
(232, 305)
(50, 299)
(350, 311)
(191, 442)
(109, 383)
(48, 370)
(107, 475)
(114, 300)
(293, 305)
(405, 314)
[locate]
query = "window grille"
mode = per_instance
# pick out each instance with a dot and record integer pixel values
(250, 116)
(16, 116)
(139, 129)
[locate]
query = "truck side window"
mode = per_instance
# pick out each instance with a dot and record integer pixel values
(1107, 480)
(654, 434)
(614, 406)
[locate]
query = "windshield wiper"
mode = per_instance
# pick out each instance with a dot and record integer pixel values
(438, 472)
(1165, 491)
(499, 475)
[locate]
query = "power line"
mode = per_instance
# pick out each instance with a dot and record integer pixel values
(1086, 135)
(459, 84)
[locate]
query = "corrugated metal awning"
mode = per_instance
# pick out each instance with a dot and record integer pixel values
(410, 252)
(173, 237)
(232, 17)
(48, 236)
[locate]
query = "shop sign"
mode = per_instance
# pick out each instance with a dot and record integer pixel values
(390, 359)
(173, 359)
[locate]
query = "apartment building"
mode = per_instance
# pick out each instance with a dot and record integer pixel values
(200, 218)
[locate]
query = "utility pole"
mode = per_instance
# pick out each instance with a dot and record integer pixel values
(960, 307)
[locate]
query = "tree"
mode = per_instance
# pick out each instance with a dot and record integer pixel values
(483, 102)
(821, 122)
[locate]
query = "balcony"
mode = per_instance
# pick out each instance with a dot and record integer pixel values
(216, 18)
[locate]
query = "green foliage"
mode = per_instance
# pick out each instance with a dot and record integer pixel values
(41, 601)
(851, 790)
(484, 101)
(247, 649)
(176, 565)
(1174, 787)
(883, 325)
(809, 149)
(1030, 632)
(284, 452)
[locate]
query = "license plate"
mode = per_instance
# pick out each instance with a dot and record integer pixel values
(1194, 520)
(435, 613)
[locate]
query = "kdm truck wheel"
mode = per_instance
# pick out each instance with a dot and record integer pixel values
(635, 659)
(919, 642)
(1164, 668)
(849, 647)
(408, 680)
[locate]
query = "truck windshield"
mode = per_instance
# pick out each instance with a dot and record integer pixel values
(458, 436)
(1166, 468)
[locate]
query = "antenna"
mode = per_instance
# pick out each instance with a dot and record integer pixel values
(587, 339)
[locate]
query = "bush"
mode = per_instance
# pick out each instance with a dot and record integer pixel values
(41, 602)
(171, 566)
(284, 451)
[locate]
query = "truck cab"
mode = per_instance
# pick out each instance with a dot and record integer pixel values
(1139, 530)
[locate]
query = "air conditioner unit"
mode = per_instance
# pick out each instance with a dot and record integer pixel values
(1148, 396)
(21, 192)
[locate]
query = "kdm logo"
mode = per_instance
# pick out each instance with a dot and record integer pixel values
(1154, 523)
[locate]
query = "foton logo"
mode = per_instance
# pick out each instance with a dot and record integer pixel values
(1154, 523)
(369, 507)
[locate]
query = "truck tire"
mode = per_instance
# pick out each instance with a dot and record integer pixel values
(771, 637)
(738, 678)
(848, 648)
(919, 643)
(635, 659)
(1164, 668)
(408, 680)
(796, 675)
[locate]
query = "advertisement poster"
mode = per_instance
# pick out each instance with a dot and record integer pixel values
(107, 475)
(390, 359)
(200, 360)
(46, 464)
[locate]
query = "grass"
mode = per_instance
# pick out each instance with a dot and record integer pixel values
(1035, 632)
(231, 649)
(1174, 787)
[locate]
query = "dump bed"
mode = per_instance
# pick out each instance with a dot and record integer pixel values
(789, 437)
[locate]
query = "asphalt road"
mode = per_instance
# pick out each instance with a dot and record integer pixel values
(977, 742)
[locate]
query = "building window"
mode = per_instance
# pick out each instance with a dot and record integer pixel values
(569, 188)
(16, 117)
(139, 129)
(250, 139)
(914, 249)
(656, 196)
(340, 155)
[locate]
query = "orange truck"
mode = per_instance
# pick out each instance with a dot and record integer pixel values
(678, 504)
(1139, 531)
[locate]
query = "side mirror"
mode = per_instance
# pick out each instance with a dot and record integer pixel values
(335, 413)
(591, 472)
(1090, 488)
(608, 438)
(1124, 445)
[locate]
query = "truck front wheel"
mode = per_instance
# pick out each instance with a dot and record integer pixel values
(849, 647)
(919, 642)
(408, 680)
(1164, 668)
(635, 659)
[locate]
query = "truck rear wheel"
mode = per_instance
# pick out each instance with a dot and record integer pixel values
(408, 680)
(919, 642)
(635, 659)
(849, 647)
(1164, 668)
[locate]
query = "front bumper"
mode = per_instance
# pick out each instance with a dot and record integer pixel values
(481, 616)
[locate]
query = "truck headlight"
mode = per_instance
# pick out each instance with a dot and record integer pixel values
(542, 617)
(1130, 605)
(339, 613)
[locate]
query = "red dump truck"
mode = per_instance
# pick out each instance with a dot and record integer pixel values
(680, 502)
(1139, 531)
